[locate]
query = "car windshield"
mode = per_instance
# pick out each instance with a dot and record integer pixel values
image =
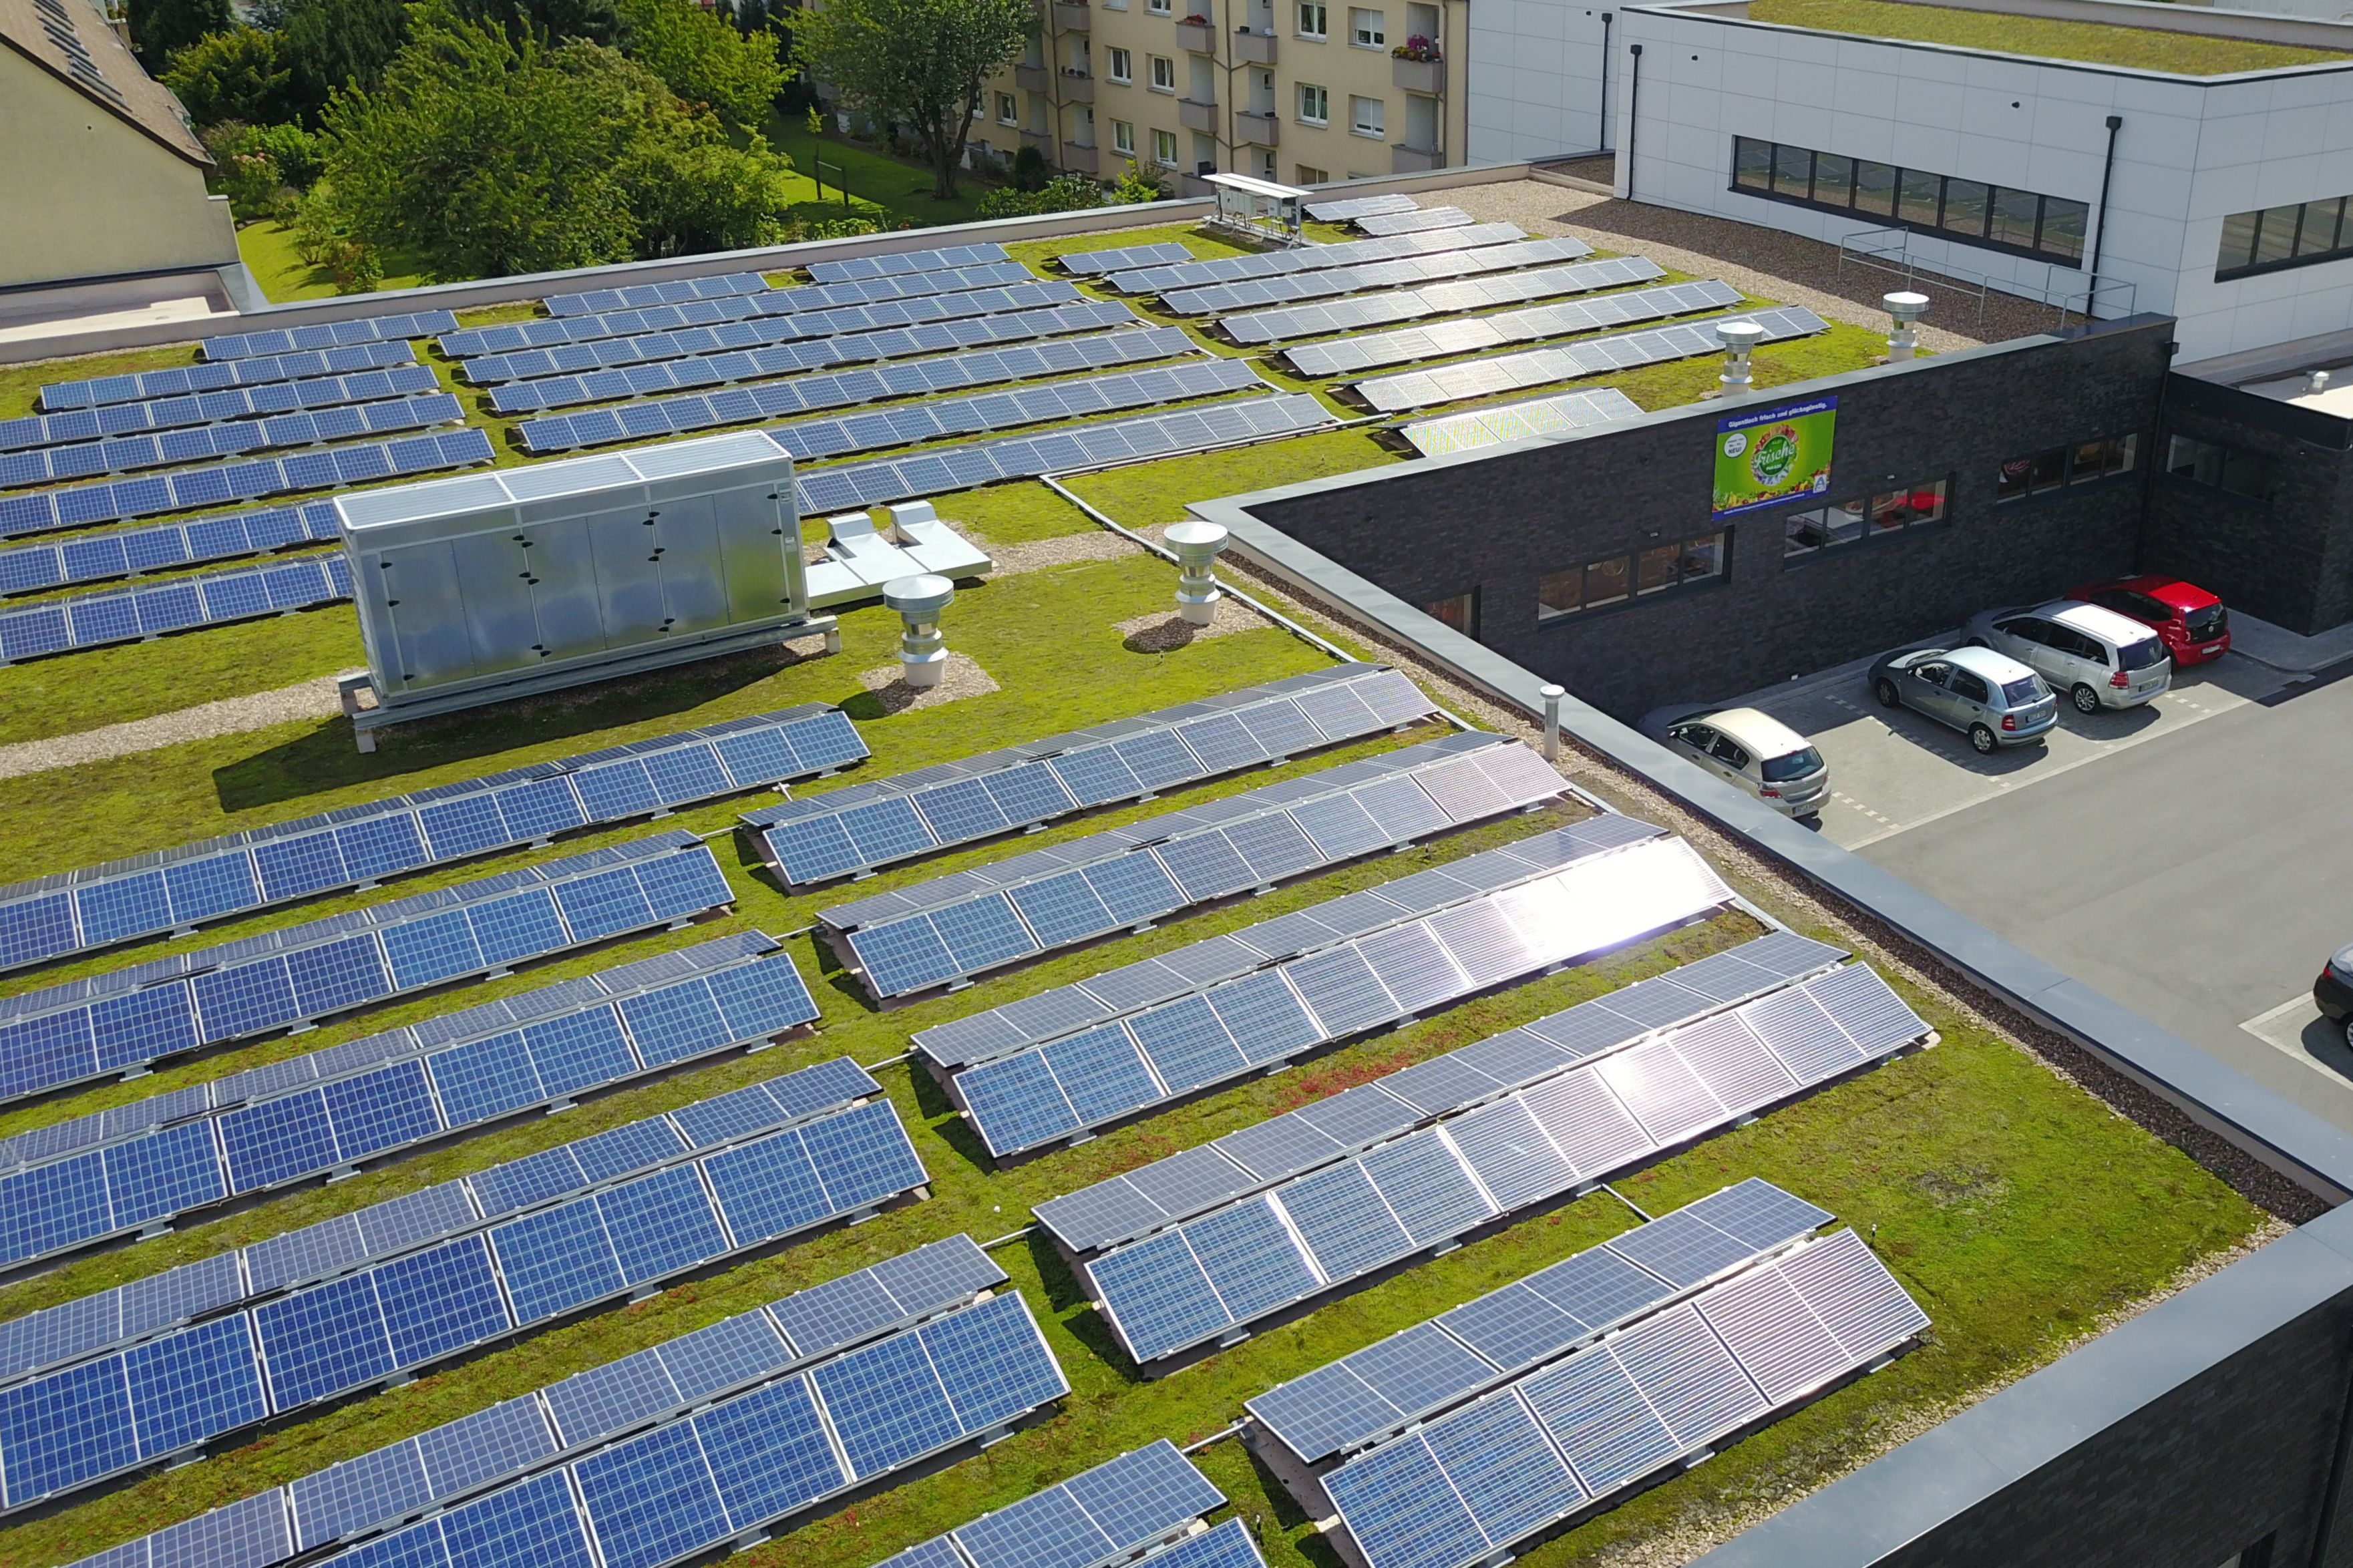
(2030, 689)
(2140, 655)
(2207, 623)
(1796, 765)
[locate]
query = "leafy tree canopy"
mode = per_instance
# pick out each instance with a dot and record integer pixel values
(162, 28)
(919, 63)
(704, 58)
(234, 75)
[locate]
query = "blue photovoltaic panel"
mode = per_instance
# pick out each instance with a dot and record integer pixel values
(328, 335)
(181, 381)
(1244, 294)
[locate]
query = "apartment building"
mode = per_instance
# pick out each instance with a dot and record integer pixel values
(1298, 91)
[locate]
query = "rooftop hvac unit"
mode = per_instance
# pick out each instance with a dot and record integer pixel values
(519, 581)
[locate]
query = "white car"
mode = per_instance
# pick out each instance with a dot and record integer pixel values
(1751, 751)
(2098, 658)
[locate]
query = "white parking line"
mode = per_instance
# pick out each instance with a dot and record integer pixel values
(2283, 1028)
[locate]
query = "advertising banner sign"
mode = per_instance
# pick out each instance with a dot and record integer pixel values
(1767, 455)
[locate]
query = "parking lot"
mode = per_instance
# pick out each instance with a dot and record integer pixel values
(2190, 857)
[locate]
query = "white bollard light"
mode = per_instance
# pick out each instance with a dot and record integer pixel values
(918, 600)
(1196, 544)
(1905, 309)
(1552, 696)
(1739, 340)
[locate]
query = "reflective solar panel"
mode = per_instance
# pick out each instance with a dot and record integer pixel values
(1409, 270)
(328, 335)
(181, 381)
(1472, 334)
(1555, 415)
(1485, 290)
(1307, 258)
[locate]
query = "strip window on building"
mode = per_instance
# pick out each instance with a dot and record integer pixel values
(2274, 238)
(2056, 467)
(1889, 515)
(2235, 470)
(1637, 575)
(2049, 228)
(1460, 611)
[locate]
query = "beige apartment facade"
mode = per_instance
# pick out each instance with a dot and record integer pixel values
(1302, 91)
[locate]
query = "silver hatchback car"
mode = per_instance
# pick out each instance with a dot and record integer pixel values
(1990, 697)
(2098, 658)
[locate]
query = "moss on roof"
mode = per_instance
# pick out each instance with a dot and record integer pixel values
(2096, 43)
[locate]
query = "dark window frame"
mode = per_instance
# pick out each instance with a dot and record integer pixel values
(2052, 474)
(2340, 248)
(2268, 467)
(1471, 601)
(1933, 226)
(1871, 534)
(1636, 596)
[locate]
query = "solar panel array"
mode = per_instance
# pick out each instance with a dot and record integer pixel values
(127, 1018)
(358, 845)
(439, 1467)
(1135, 875)
(899, 265)
(1189, 430)
(1361, 311)
(1309, 258)
(1539, 367)
(1347, 209)
(139, 385)
(78, 1329)
(1154, 1197)
(127, 418)
(255, 479)
(508, 337)
(731, 1471)
(64, 1430)
(1377, 1391)
(1415, 222)
(1467, 1486)
(1555, 415)
(715, 352)
(1411, 271)
(1472, 334)
(231, 439)
(876, 822)
(848, 388)
(677, 291)
(1122, 259)
(328, 335)
(124, 553)
(95, 620)
(1108, 1514)
(1211, 1278)
(689, 1006)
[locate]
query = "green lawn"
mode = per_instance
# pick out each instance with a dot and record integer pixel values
(898, 189)
(267, 247)
(2100, 43)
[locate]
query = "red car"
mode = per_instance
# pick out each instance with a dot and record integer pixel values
(2191, 621)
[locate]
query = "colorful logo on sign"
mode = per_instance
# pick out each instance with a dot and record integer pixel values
(1772, 455)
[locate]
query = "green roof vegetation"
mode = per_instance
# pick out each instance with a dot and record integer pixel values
(2151, 48)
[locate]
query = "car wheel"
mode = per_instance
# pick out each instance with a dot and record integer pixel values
(1884, 690)
(2348, 1031)
(2085, 699)
(1982, 740)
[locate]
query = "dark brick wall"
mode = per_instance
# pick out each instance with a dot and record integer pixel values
(1495, 525)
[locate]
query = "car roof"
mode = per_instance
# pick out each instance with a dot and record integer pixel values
(2095, 621)
(1997, 668)
(1760, 732)
(2171, 592)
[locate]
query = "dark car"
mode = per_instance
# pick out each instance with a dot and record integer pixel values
(2334, 991)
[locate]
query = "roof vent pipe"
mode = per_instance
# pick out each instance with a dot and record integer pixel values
(1196, 544)
(1905, 310)
(2315, 383)
(1739, 340)
(918, 600)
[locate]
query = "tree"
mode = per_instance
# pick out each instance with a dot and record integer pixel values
(548, 20)
(234, 75)
(918, 62)
(703, 58)
(162, 28)
(331, 44)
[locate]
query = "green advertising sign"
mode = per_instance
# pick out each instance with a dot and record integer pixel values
(1773, 454)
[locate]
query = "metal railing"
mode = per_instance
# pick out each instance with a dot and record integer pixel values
(1889, 250)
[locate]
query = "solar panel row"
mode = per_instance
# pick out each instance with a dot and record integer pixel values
(64, 1430)
(95, 620)
(231, 439)
(357, 845)
(1120, 258)
(701, 345)
(1211, 1277)
(875, 823)
(328, 335)
(1347, 209)
(735, 1470)
(899, 265)
(677, 291)
(509, 337)
(1249, 293)
(82, 1327)
(1310, 258)
(388, 1486)
(181, 380)
(881, 483)
(1377, 1391)
(167, 1172)
(1470, 334)
(1144, 1499)
(256, 479)
(1467, 1487)
(205, 407)
(1415, 222)
(1359, 311)
(848, 388)
(1539, 367)
(1518, 421)
(1096, 886)
(126, 553)
(1550, 909)
(126, 1018)
(1153, 1197)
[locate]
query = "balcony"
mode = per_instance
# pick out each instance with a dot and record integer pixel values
(1419, 76)
(1194, 114)
(1405, 160)
(1041, 139)
(1032, 78)
(1077, 86)
(1254, 48)
(1197, 37)
(1072, 18)
(1256, 130)
(1078, 160)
